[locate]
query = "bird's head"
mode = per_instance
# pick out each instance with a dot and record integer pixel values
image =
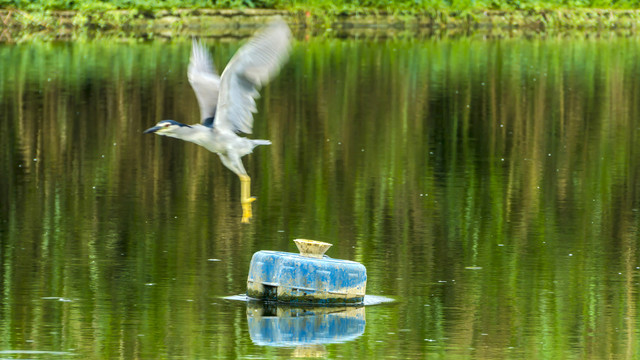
(167, 128)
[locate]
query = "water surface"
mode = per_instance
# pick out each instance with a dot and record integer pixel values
(490, 186)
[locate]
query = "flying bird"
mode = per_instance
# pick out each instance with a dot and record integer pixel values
(227, 102)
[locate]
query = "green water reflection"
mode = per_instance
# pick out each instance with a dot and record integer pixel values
(490, 186)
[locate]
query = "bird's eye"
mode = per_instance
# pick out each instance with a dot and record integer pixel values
(167, 125)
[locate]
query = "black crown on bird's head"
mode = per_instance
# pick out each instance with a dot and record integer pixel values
(164, 124)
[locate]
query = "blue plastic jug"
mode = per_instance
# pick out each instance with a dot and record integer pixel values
(308, 277)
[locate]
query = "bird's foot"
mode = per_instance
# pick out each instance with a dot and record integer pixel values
(246, 209)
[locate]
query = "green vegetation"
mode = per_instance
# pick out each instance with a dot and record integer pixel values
(388, 6)
(195, 17)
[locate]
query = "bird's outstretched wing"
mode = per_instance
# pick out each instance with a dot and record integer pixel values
(252, 66)
(204, 80)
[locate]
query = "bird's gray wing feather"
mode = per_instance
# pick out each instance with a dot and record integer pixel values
(251, 67)
(204, 80)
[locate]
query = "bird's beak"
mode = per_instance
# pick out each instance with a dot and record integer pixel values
(152, 130)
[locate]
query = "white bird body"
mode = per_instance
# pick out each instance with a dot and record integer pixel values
(217, 141)
(227, 102)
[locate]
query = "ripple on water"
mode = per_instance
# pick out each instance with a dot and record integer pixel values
(368, 299)
(34, 352)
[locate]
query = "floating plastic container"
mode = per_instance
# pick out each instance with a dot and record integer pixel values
(304, 327)
(308, 277)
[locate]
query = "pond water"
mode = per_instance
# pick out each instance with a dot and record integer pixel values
(490, 186)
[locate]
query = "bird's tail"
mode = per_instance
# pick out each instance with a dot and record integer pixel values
(260, 142)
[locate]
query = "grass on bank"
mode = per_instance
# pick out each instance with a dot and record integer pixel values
(324, 5)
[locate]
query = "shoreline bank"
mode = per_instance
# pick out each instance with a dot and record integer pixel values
(239, 23)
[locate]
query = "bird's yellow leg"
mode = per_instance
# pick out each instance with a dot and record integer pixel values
(245, 198)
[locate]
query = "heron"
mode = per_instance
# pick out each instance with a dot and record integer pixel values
(227, 102)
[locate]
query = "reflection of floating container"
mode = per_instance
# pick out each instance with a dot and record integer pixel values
(284, 325)
(307, 277)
